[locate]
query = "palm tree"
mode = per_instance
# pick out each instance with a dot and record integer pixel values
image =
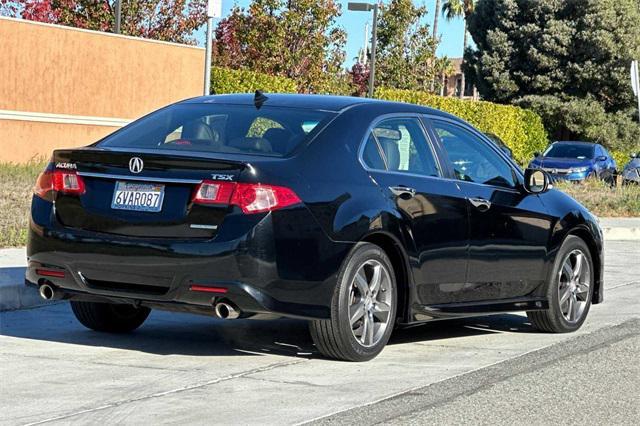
(434, 35)
(452, 9)
(435, 20)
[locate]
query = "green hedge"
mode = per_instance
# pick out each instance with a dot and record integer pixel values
(224, 80)
(522, 130)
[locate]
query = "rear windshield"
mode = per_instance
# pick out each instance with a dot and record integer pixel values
(274, 131)
(580, 151)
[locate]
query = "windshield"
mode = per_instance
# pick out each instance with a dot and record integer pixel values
(273, 131)
(579, 151)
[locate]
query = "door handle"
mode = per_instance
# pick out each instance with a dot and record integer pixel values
(480, 203)
(403, 191)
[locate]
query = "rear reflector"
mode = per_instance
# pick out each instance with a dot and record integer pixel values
(67, 182)
(250, 197)
(50, 273)
(207, 289)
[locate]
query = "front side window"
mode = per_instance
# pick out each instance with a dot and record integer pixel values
(218, 128)
(471, 158)
(399, 145)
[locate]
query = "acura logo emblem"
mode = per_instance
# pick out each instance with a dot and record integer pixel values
(136, 165)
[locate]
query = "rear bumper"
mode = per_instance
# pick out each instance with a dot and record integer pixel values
(279, 263)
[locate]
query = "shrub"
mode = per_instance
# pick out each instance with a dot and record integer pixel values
(522, 130)
(225, 80)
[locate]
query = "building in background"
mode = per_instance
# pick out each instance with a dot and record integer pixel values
(64, 87)
(453, 83)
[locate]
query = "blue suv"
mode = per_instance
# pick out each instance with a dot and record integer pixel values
(576, 161)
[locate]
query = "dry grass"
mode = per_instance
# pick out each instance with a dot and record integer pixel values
(621, 201)
(16, 184)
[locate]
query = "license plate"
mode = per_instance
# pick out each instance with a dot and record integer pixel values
(143, 197)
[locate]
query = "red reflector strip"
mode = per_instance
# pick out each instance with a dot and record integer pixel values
(50, 273)
(206, 289)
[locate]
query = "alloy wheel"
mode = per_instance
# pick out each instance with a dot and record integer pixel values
(370, 301)
(574, 281)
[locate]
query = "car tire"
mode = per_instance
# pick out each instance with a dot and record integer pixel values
(569, 295)
(363, 312)
(108, 317)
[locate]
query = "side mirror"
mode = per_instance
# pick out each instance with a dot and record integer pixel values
(536, 154)
(602, 158)
(536, 181)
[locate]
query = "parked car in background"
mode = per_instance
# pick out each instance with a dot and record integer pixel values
(631, 172)
(503, 146)
(576, 161)
(352, 213)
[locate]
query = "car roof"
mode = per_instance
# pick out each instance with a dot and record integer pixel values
(318, 102)
(575, 143)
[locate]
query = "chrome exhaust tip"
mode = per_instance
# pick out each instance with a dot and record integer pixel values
(226, 311)
(47, 292)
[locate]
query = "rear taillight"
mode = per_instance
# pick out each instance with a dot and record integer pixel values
(256, 198)
(58, 181)
(250, 197)
(212, 192)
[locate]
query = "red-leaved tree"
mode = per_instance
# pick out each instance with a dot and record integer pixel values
(168, 20)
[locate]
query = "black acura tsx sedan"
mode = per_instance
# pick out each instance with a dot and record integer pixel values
(357, 215)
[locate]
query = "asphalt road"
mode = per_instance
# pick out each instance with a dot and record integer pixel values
(191, 369)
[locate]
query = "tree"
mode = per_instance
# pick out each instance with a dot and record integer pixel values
(406, 49)
(436, 15)
(566, 59)
(297, 39)
(360, 77)
(434, 33)
(167, 20)
(453, 9)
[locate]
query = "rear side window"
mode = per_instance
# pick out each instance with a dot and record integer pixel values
(399, 145)
(273, 131)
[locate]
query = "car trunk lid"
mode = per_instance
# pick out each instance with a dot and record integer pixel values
(142, 194)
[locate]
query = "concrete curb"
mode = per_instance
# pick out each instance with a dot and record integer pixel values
(15, 295)
(621, 229)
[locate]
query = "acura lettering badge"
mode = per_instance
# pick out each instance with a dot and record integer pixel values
(136, 165)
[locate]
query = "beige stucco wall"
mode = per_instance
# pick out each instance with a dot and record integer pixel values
(22, 141)
(60, 70)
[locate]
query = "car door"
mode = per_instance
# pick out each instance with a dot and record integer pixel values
(509, 228)
(433, 210)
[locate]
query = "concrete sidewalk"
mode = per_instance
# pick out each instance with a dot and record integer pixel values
(15, 295)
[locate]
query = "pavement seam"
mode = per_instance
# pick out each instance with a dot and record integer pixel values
(479, 383)
(622, 285)
(283, 382)
(170, 392)
(89, 361)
